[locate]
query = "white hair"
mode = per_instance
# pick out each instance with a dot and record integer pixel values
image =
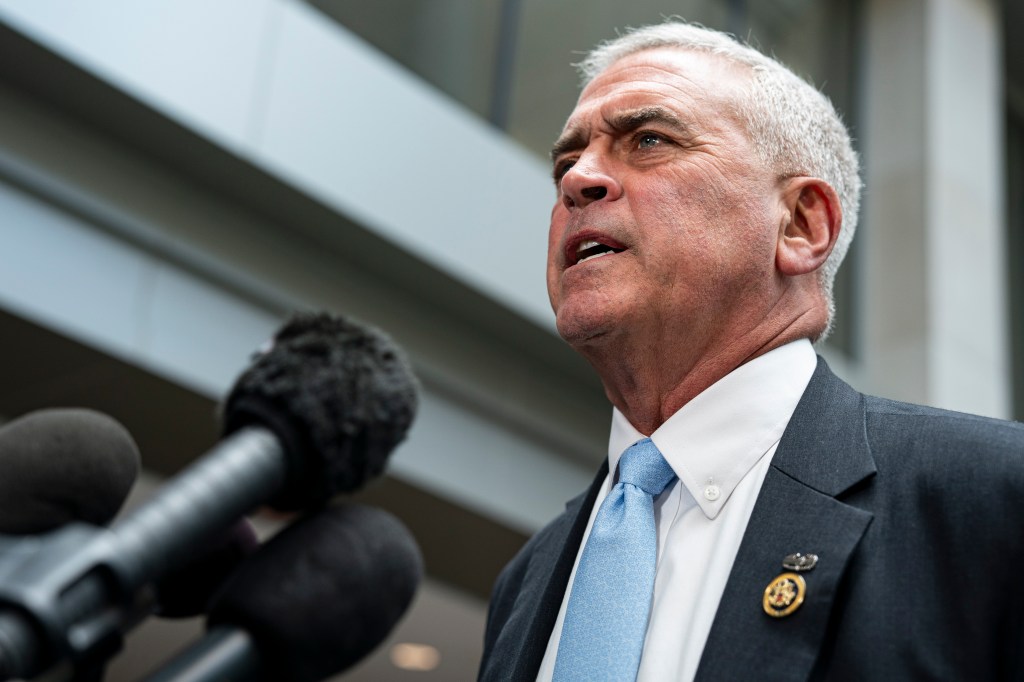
(794, 128)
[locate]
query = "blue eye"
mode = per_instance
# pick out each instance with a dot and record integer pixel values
(647, 140)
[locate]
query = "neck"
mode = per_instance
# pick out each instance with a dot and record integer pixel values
(649, 381)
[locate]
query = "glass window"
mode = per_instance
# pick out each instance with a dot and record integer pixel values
(449, 43)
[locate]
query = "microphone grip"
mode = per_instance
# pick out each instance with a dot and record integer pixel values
(223, 653)
(240, 473)
(68, 594)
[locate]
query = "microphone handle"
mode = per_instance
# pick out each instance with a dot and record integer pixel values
(237, 475)
(70, 594)
(223, 653)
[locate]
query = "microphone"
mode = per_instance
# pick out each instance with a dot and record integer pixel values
(317, 413)
(339, 397)
(63, 465)
(312, 602)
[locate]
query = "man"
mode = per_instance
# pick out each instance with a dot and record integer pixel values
(798, 530)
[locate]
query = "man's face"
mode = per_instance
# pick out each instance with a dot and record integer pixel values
(657, 177)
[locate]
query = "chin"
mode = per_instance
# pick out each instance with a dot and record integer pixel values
(581, 330)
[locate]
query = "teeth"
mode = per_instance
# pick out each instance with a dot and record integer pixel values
(592, 249)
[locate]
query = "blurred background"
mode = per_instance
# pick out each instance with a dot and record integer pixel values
(177, 175)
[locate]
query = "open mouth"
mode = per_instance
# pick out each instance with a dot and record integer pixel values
(591, 249)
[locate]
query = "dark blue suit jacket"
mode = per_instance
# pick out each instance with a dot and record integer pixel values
(917, 516)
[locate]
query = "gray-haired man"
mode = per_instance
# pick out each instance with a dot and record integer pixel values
(706, 196)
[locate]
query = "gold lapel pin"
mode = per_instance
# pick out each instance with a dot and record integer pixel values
(785, 593)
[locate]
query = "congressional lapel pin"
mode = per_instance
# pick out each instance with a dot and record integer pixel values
(785, 593)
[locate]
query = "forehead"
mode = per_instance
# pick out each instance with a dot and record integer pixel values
(680, 79)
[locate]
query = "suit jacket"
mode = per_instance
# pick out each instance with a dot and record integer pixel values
(916, 514)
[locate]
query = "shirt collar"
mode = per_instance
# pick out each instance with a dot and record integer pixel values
(714, 440)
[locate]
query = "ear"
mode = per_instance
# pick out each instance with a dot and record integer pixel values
(811, 226)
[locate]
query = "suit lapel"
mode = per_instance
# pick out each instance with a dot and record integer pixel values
(547, 576)
(823, 453)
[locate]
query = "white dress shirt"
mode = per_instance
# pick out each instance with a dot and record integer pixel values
(720, 445)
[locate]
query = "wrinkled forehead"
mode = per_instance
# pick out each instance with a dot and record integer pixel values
(690, 67)
(676, 77)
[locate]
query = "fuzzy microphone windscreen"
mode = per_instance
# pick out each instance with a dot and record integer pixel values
(339, 395)
(324, 592)
(61, 465)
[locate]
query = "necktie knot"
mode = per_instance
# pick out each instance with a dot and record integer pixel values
(644, 466)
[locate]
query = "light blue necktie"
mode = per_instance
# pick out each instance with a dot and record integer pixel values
(606, 620)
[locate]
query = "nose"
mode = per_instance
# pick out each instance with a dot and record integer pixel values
(586, 182)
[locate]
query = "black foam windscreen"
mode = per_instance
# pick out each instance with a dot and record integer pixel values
(324, 592)
(339, 395)
(187, 591)
(61, 465)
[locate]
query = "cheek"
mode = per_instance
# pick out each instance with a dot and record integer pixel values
(677, 219)
(555, 232)
(725, 200)
(701, 227)
(556, 229)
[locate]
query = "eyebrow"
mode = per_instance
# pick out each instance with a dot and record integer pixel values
(570, 141)
(622, 122)
(628, 121)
